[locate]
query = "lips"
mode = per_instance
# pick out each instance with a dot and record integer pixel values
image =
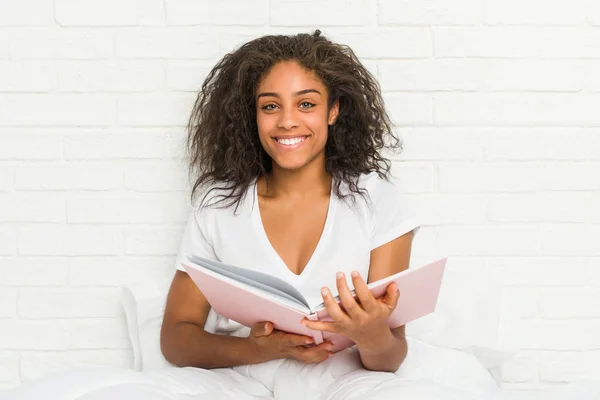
(290, 142)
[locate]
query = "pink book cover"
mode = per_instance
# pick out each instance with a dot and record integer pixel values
(247, 305)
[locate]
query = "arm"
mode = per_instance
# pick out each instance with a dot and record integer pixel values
(365, 321)
(388, 353)
(184, 342)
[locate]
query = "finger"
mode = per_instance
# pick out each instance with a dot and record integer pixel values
(316, 353)
(333, 308)
(323, 351)
(292, 340)
(326, 346)
(312, 358)
(261, 329)
(319, 356)
(392, 294)
(318, 348)
(350, 305)
(366, 298)
(322, 326)
(268, 328)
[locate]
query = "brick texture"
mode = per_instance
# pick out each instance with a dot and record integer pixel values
(496, 102)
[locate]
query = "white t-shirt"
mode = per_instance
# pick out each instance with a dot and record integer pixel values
(351, 231)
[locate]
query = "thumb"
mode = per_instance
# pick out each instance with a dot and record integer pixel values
(268, 328)
(262, 328)
(392, 295)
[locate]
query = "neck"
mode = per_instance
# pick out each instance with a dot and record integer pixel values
(307, 181)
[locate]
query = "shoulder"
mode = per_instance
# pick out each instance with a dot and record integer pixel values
(379, 188)
(392, 214)
(373, 190)
(213, 207)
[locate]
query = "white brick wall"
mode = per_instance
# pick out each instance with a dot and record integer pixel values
(497, 101)
(94, 13)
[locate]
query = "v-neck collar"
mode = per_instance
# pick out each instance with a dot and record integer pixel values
(262, 233)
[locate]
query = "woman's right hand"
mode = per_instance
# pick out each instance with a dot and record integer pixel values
(273, 344)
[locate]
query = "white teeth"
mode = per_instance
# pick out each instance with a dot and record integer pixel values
(290, 142)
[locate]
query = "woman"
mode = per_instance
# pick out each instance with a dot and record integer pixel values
(285, 140)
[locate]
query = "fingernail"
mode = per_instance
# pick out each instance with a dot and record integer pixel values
(339, 275)
(324, 291)
(354, 274)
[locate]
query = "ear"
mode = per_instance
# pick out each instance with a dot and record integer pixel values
(333, 112)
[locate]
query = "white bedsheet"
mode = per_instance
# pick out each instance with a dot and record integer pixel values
(428, 373)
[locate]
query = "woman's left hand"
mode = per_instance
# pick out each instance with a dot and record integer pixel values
(363, 321)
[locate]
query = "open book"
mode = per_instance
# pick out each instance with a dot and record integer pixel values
(248, 296)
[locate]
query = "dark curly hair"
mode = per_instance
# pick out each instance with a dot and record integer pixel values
(224, 149)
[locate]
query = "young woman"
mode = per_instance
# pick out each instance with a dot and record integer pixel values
(285, 140)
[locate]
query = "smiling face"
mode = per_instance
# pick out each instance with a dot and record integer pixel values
(292, 116)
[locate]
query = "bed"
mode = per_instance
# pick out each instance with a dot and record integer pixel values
(430, 373)
(454, 354)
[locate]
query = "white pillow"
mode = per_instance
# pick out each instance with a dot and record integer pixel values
(466, 317)
(144, 304)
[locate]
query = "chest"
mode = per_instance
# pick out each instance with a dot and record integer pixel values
(343, 245)
(295, 231)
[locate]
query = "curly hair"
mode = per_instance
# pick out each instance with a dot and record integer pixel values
(223, 145)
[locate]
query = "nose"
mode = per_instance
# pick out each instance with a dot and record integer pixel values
(288, 120)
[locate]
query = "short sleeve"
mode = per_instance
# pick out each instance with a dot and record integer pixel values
(392, 213)
(196, 238)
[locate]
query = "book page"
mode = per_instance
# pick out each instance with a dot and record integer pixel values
(252, 278)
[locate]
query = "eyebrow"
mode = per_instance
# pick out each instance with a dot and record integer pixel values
(301, 92)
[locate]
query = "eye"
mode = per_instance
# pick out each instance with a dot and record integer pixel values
(306, 104)
(268, 107)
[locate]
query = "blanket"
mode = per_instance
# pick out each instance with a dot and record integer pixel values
(428, 373)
